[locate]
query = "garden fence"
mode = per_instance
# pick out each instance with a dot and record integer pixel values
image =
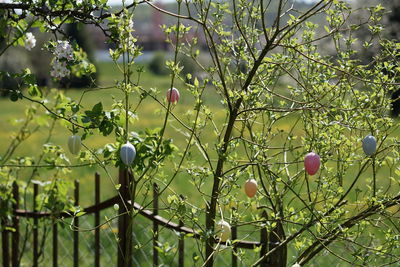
(11, 228)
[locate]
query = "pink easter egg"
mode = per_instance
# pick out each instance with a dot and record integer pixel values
(173, 95)
(312, 162)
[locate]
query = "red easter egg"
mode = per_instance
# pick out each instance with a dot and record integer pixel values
(312, 162)
(173, 95)
(250, 187)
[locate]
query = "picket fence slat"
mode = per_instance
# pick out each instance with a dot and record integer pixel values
(5, 244)
(155, 225)
(55, 244)
(124, 246)
(181, 247)
(76, 226)
(97, 221)
(264, 240)
(35, 227)
(15, 234)
(234, 250)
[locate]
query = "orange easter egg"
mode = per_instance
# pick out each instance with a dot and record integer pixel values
(250, 187)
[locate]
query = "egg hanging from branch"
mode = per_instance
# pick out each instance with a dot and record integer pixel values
(369, 145)
(312, 162)
(74, 144)
(173, 95)
(250, 187)
(223, 230)
(127, 153)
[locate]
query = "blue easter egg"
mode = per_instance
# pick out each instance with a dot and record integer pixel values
(127, 153)
(369, 145)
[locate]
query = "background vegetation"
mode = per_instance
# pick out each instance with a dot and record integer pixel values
(267, 92)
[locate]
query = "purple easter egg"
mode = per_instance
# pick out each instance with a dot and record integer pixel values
(173, 95)
(312, 162)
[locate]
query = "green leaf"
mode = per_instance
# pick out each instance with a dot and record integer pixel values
(97, 109)
(34, 90)
(80, 214)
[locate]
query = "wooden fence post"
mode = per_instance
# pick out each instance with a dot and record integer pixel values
(35, 226)
(155, 224)
(264, 240)
(275, 237)
(124, 244)
(5, 243)
(97, 222)
(181, 243)
(55, 244)
(15, 234)
(234, 250)
(76, 226)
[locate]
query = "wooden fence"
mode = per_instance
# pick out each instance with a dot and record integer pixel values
(11, 254)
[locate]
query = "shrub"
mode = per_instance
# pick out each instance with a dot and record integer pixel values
(320, 193)
(157, 63)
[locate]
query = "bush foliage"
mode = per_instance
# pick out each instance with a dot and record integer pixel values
(270, 95)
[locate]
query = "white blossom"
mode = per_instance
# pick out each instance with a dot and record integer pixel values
(130, 25)
(64, 50)
(126, 25)
(63, 55)
(127, 42)
(30, 41)
(59, 69)
(296, 265)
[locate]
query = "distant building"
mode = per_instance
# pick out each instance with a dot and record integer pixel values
(150, 35)
(148, 30)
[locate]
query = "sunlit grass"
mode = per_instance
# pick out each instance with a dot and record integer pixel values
(151, 115)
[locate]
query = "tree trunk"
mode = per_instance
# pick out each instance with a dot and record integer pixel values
(279, 257)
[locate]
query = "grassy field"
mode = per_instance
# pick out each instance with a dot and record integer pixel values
(150, 115)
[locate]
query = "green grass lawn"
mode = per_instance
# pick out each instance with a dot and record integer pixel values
(150, 115)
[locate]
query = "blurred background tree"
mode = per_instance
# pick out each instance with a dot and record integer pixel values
(157, 63)
(393, 18)
(371, 48)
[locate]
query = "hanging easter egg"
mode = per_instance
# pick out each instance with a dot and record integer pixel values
(369, 145)
(173, 95)
(74, 144)
(250, 187)
(127, 153)
(223, 230)
(312, 162)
